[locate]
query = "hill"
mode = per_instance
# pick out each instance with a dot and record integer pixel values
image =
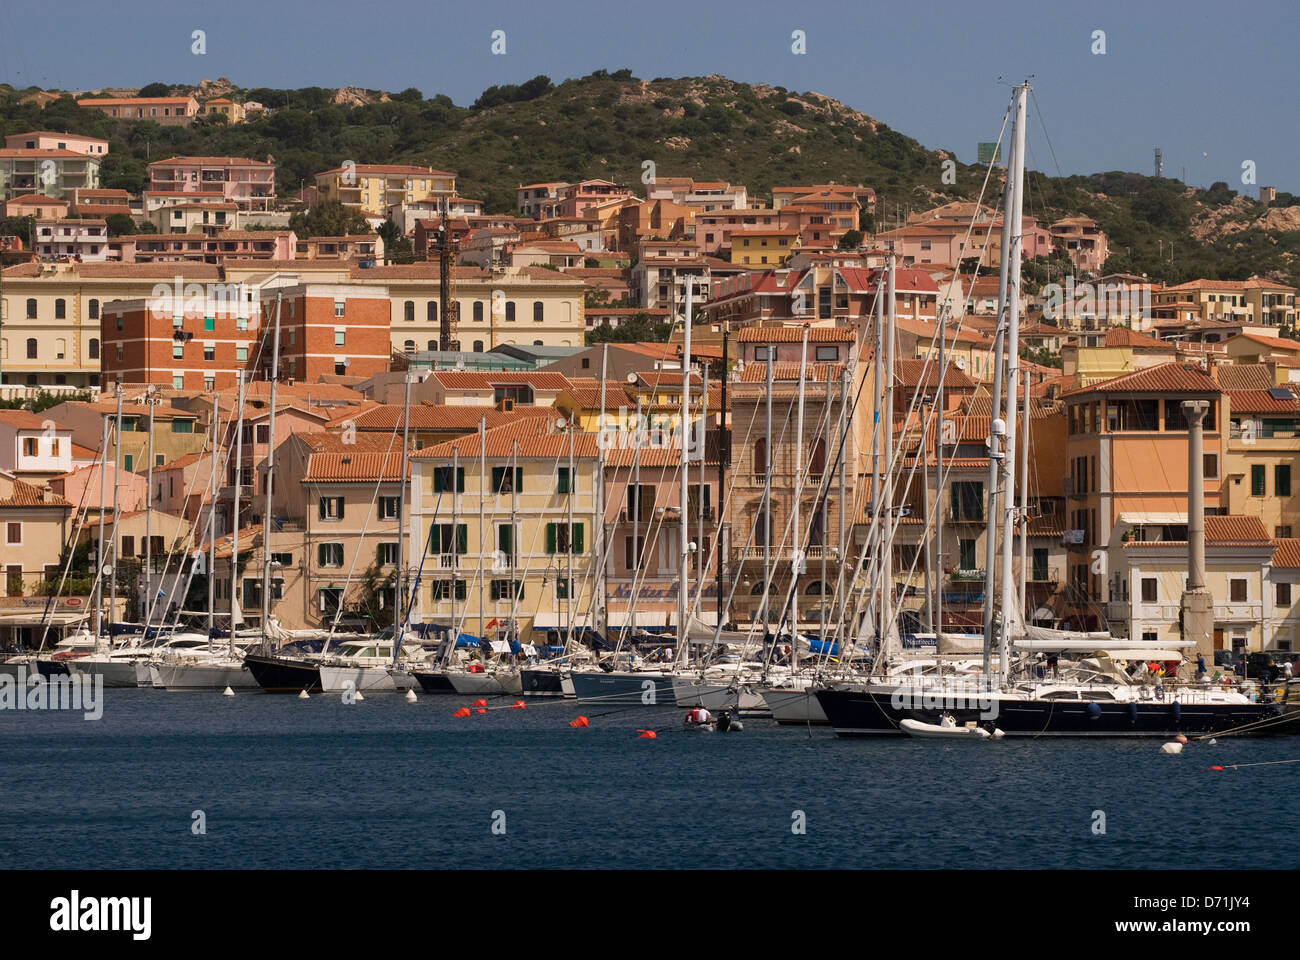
(608, 124)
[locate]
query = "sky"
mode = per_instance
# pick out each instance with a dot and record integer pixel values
(1213, 84)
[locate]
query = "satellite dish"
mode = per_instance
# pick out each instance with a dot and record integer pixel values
(631, 378)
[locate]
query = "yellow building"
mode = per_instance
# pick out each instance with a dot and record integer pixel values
(223, 107)
(756, 248)
(524, 535)
(1263, 451)
(1255, 301)
(371, 188)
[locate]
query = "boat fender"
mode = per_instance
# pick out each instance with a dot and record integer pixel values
(358, 698)
(1133, 712)
(410, 696)
(303, 695)
(480, 710)
(1173, 749)
(1094, 711)
(1176, 709)
(227, 692)
(1181, 739)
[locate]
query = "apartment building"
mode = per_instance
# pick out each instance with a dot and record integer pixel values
(84, 240)
(33, 529)
(223, 107)
(371, 188)
(34, 448)
(249, 184)
(51, 173)
(1253, 301)
(176, 432)
(169, 111)
(512, 534)
(1262, 452)
(540, 201)
(663, 271)
(45, 140)
(1083, 241)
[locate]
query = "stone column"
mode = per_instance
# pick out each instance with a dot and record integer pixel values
(1197, 603)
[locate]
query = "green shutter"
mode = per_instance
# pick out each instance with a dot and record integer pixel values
(505, 539)
(577, 538)
(550, 538)
(462, 538)
(437, 479)
(460, 479)
(498, 473)
(1257, 480)
(564, 480)
(460, 589)
(435, 538)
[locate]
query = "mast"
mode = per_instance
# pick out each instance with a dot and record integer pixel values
(103, 499)
(234, 523)
(767, 499)
(152, 400)
(637, 550)
(514, 537)
(399, 626)
(842, 540)
(212, 524)
(1014, 215)
(887, 438)
(877, 391)
(117, 517)
(270, 474)
(568, 593)
(703, 559)
(683, 483)
(724, 453)
(482, 532)
(797, 564)
(927, 553)
(1024, 511)
(455, 536)
(598, 500)
(938, 470)
(822, 508)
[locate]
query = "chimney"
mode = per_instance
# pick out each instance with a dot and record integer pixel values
(1197, 603)
(47, 493)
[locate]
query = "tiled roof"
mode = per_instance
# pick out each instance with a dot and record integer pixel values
(910, 373)
(1163, 378)
(1286, 552)
(1277, 343)
(432, 417)
(794, 334)
(1243, 376)
(1222, 531)
(353, 466)
(26, 420)
(394, 168)
(536, 437)
(1124, 337)
(212, 162)
(476, 380)
(815, 373)
(1261, 401)
(26, 495)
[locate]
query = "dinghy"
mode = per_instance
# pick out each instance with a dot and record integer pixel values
(946, 728)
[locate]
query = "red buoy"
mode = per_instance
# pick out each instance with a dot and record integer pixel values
(648, 735)
(462, 712)
(480, 702)
(1216, 768)
(480, 710)
(579, 722)
(517, 705)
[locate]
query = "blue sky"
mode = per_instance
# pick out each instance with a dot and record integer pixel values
(1213, 84)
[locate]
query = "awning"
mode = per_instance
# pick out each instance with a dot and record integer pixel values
(559, 621)
(1137, 519)
(654, 620)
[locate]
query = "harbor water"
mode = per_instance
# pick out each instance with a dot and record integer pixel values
(319, 783)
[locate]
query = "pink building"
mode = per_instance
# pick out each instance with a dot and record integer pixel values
(577, 197)
(41, 140)
(169, 111)
(248, 183)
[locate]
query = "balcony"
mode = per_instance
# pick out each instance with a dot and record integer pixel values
(973, 575)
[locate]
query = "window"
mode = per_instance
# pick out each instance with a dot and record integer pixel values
(760, 353)
(408, 311)
(182, 426)
(31, 348)
(31, 309)
(93, 348)
(241, 353)
(1237, 590)
(431, 312)
(340, 336)
(330, 599)
(329, 554)
(209, 352)
(339, 307)
(500, 589)
(561, 538)
(442, 479)
(209, 324)
(478, 346)
(387, 553)
(478, 311)
(94, 309)
(128, 462)
(178, 380)
(501, 479)
(30, 446)
(178, 351)
(1257, 480)
(331, 508)
(762, 528)
(440, 538)
(60, 309)
(13, 533)
(563, 484)
(966, 555)
(1282, 480)
(633, 551)
(968, 501)
(1282, 532)
(563, 588)
(537, 311)
(1283, 594)
(830, 354)
(441, 590)
(389, 507)
(760, 457)
(1150, 592)
(510, 311)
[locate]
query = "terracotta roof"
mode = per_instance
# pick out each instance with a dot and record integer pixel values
(1277, 343)
(794, 334)
(477, 380)
(1221, 530)
(432, 417)
(910, 372)
(1261, 401)
(211, 162)
(815, 373)
(536, 437)
(26, 420)
(1286, 552)
(1124, 337)
(1163, 378)
(35, 199)
(27, 495)
(353, 466)
(393, 168)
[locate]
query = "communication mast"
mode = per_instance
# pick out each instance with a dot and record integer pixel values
(448, 306)
(1160, 162)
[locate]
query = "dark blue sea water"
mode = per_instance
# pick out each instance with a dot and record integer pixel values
(321, 784)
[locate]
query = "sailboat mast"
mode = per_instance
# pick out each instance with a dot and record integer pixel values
(270, 474)
(701, 554)
(455, 535)
(103, 498)
(683, 483)
(767, 499)
(212, 523)
(724, 453)
(822, 509)
(234, 523)
(598, 499)
(1014, 214)
(637, 548)
(938, 470)
(887, 430)
(482, 532)
(1024, 510)
(878, 386)
(568, 572)
(151, 399)
(400, 574)
(797, 565)
(514, 537)
(117, 517)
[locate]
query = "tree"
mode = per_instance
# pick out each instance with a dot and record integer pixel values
(328, 220)
(155, 90)
(851, 240)
(120, 225)
(24, 227)
(121, 171)
(639, 328)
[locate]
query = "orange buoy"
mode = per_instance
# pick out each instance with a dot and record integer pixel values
(1180, 738)
(462, 712)
(580, 722)
(480, 710)
(517, 705)
(648, 735)
(480, 702)
(1216, 768)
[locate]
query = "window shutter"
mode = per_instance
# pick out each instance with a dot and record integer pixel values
(462, 538)
(460, 589)
(564, 480)
(577, 538)
(550, 538)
